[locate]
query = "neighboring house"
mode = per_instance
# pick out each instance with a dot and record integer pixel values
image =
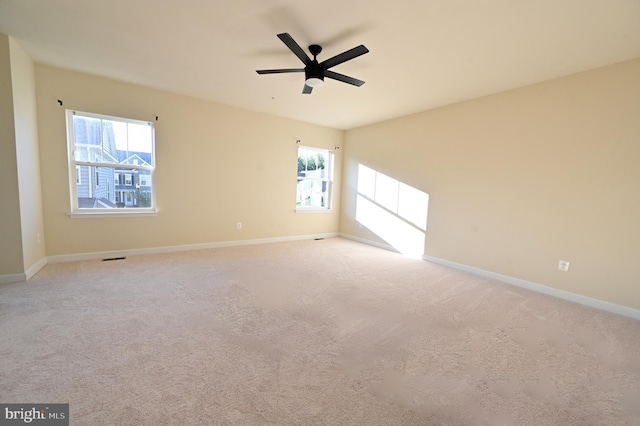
(133, 186)
(108, 187)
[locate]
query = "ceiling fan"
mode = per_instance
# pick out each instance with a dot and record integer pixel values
(316, 72)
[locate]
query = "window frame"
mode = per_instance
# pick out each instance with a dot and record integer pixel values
(119, 168)
(329, 167)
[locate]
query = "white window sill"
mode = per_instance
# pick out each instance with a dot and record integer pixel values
(312, 210)
(102, 214)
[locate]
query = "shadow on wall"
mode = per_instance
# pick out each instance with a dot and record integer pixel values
(394, 211)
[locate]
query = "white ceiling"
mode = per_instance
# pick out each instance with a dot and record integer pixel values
(423, 53)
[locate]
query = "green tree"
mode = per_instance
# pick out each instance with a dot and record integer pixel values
(311, 163)
(308, 163)
(144, 199)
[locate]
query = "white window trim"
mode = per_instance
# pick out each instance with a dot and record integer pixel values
(108, 213)
(310, 209)
(77, 212)
(329, 180)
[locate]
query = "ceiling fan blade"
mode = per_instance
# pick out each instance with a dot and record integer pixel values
(344, 56)
(280, 71)
(343, 78)
(294, 47)
(307, 89)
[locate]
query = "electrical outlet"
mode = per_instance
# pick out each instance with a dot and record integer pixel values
(563, 266)
(239, 225)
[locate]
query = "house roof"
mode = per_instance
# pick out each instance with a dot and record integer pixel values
(144, 158)
(423, 53)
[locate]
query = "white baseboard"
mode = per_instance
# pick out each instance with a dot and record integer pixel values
(12, 278)
(24, 276)
(369, 242)
(173, 249)
(529, 285)
(35, 268)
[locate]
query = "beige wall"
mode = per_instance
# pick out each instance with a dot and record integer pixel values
(11, 260)
(521, 179)
(26, 140)
(216, 166)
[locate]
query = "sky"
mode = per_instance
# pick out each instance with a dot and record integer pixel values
(133, 137)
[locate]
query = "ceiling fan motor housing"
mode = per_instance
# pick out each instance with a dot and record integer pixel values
(314, 70)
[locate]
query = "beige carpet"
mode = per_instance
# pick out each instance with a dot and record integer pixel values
(328, 332)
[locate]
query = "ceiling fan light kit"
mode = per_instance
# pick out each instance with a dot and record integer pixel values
(314, 81)
(316, 72)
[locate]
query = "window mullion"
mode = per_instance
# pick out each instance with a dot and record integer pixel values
(101, 139)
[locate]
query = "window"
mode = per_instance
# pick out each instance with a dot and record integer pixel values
(105, 153)
(144, 180)
(315, 179)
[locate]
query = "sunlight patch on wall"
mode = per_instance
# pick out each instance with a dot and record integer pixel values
(393, 210)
